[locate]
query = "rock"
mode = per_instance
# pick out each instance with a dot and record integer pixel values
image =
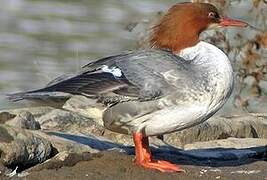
(20, 147)
(35, 111)
(65, 121)
(118, 138)
(24, 120)
(4, 170)
(230, 143)
(97, 143)
(62, 159)
(86, 107)
(6, 116)
(247, 126)
(24, 148)
(257, 104)
(72, 143)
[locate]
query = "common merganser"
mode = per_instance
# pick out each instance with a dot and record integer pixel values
(178, 83)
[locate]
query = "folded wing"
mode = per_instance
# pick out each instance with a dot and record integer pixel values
(137, 74)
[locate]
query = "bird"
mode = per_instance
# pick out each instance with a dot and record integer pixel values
(176, 83)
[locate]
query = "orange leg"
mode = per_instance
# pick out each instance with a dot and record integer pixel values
(144, 158)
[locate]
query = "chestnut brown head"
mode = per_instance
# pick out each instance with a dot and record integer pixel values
(181, 26)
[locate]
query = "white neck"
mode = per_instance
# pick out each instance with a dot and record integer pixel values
(209, 57)
(203, 52)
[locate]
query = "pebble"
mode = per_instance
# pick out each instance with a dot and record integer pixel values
(246, 172)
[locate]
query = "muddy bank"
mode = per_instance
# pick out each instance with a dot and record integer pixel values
(114, 165)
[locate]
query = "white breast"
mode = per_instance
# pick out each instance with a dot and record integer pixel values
(216, 64)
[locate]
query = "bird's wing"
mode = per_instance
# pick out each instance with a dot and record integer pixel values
(137, 74)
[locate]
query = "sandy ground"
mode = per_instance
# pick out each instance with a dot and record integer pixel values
(114, 165)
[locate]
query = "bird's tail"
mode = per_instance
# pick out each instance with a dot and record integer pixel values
(39, 95)
(44, 94)
(16, 96)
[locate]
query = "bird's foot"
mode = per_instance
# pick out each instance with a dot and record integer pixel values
(143, 156)
(163, 166)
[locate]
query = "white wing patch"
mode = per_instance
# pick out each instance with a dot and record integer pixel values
(114, 70)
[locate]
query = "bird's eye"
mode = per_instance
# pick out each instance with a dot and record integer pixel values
(213, 15)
